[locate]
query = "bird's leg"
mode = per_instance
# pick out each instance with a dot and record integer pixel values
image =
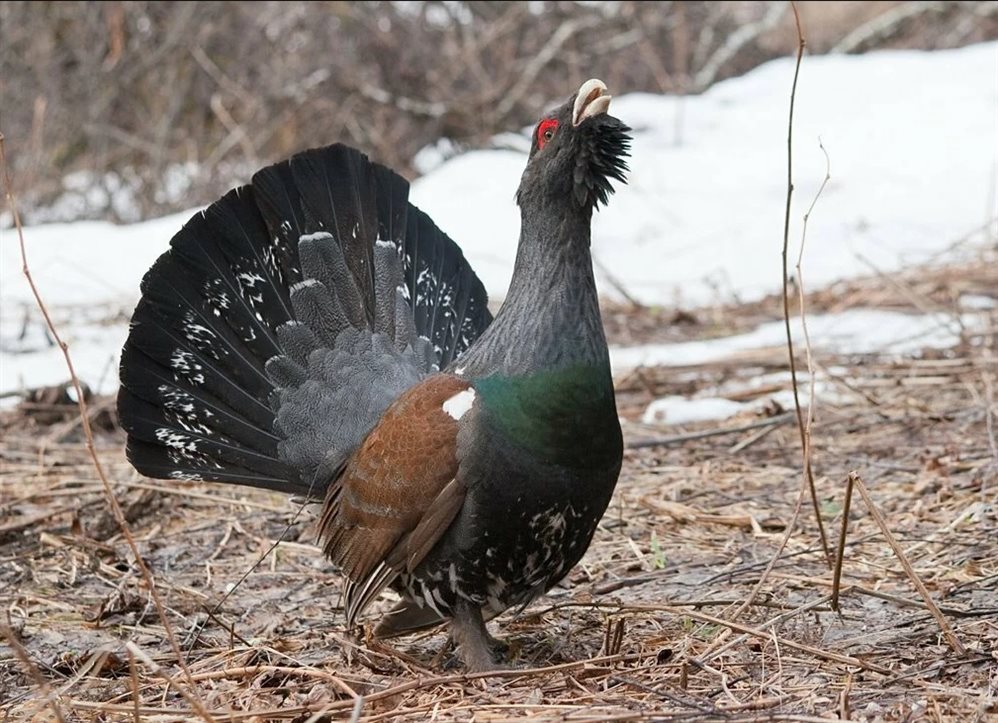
(472, 639)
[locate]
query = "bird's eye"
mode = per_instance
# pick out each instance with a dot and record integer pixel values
(546, 131)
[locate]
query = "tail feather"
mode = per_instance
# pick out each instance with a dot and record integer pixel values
(203, 448)
(393, 204)
(161, 466)
(318, 309)
(325, 263)
(241, 277)
(285, 318)
(405, 618)
(187, 407)
(158, 354)
(340, 194)
(446, 297)
(297, 342)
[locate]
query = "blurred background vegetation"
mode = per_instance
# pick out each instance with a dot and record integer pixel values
(123, 110)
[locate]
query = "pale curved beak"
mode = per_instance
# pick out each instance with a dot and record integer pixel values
(592, 99)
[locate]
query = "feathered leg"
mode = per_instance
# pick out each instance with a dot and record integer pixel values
(474, 644)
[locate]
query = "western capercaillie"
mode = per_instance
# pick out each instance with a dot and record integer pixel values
(315, 333)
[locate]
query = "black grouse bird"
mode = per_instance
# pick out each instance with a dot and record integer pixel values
(316, 334)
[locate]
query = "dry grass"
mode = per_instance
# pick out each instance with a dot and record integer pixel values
(641, 630)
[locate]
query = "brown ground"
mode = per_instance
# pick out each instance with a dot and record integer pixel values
(641, 630)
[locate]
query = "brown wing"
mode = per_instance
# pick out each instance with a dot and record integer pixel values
(398, 493)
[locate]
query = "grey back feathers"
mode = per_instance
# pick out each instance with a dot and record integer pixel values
(284, 320)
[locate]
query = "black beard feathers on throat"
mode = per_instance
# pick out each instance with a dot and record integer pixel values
(601, 158)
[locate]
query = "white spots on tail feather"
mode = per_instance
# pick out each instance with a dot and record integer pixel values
(194, 331)
(175, 440)
(458, 405)
(175, 399)
(218, 299)
(183, 363)
(184, 409)
(198, 333)
(248, 279)
(460, 371)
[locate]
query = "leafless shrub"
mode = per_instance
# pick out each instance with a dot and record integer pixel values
(164, 105)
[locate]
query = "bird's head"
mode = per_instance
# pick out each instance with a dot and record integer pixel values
(576, 149)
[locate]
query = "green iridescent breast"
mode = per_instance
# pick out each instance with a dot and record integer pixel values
(565, 416)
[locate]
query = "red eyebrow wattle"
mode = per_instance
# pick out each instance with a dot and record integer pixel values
(548, 124)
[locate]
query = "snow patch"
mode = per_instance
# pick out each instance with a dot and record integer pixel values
(680, 410)
(978, 302)
(701, 217)
(755, 394)
(857, 331)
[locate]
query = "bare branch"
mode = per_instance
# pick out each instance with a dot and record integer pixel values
(804, 436)
(538, 63)
(885, 25)
(735, 42)
(89, 436)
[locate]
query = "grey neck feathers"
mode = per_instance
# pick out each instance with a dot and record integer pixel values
(550, 318)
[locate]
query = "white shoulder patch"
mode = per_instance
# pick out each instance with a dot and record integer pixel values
(458, 405)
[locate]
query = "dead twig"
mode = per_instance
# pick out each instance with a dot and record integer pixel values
(765, 636)
(885, 24)
(840, 551)
(768, 625)
(691, 436)
(22, 656)
(808, 482)
(944, 626)
(812, 377)
(196, 704)
(617, 284)
(804, 443)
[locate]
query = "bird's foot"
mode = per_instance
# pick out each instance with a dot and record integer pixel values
(479, 652)
(500, 648)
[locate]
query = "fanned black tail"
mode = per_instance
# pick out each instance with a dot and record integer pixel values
(284, 319)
